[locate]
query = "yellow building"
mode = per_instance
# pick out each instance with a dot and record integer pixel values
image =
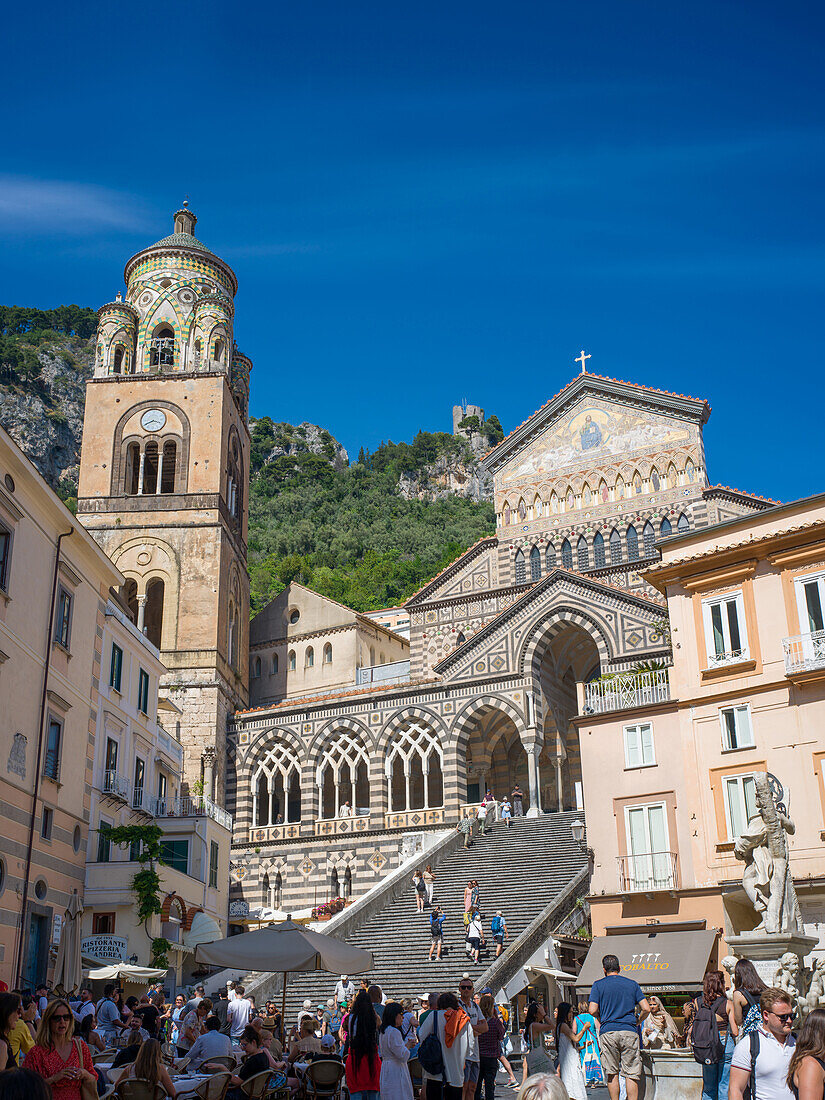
(54, 585)
(668, 757)
(137, 781)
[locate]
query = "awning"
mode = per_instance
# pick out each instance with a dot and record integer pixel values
(672, 962)
(552, 972)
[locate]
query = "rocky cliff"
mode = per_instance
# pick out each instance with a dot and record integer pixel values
(451, 474)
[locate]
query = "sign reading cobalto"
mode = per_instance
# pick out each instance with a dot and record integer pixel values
(667, 961)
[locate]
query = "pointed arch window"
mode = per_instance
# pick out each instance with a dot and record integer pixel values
(334, 884)
(276, 786)
(654, 480)
(550, 557)
(460, 640)
(162, 347)
(683, 524)
(328, 654)
(153, 611)
(535, 564)
(566, 555)
(256, 668)
(519, 567)
(274, 664)
(665, 528)
(342, 775)
(309, 658)
(649, 539)
(582, 553)
(615, 547)
(117, 367)
(632, 544)
(219, 349)
(413, 766)
(598, 549)
(291, 660)
(347, 883)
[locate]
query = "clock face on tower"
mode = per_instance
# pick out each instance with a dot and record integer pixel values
(153, 420)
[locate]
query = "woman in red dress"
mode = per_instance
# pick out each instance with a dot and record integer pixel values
(63, 1061)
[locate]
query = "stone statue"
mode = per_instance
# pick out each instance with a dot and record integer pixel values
(788, 976)
(815, 995)
(728, 965)
(763, 848)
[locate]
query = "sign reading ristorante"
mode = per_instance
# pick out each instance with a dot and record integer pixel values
(107, 948)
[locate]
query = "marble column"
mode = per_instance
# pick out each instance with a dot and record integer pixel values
(209, 774)
(533, 743)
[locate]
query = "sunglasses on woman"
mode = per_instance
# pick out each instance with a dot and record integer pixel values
(61, 1016)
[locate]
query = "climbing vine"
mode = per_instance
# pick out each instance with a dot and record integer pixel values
(145, 843)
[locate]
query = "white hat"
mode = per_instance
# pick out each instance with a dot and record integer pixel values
(308, 1003)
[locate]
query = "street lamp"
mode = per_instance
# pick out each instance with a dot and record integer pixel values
(577, 832)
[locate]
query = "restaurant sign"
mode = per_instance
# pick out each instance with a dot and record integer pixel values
(239, 908)
(104, 947)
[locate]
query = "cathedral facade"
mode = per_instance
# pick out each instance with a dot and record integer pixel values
(331, 789)
(164, 476)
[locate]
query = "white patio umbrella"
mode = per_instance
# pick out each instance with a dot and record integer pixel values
(285, 947)
(68, 971)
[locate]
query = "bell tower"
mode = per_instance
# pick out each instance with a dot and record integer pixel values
(164, 477)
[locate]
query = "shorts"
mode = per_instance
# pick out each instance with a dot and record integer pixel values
(438, 937)
(471, 1071)
(620, 1054)
(474, 943)
(499, 938)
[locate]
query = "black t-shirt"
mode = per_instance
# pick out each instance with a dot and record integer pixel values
(149, 1015)
(255, 1063)
(125, 1056)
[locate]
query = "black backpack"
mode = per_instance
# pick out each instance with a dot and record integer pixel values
(708, 1048)
(430, 1054)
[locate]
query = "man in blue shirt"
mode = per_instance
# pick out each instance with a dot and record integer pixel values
(613, 999)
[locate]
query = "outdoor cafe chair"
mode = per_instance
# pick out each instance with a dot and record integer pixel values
(215, 1088)
(256, 1086)
(223, 1060)
(323, 1078)
(135, 1088)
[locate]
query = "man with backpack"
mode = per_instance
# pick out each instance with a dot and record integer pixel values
(498, 928)
(759, 1067)
(614, 999)
(437, 919)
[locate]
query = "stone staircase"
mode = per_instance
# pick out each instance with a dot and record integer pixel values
(519, 870)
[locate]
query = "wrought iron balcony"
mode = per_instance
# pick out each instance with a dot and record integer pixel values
(194, 806)
(623, 692)
(51, 764)
(648, 873)
(728, 657)
(116, 786)
(804, 652)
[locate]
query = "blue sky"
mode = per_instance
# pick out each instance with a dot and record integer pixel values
(448, 200)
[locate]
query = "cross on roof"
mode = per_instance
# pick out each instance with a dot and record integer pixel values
(582, 359)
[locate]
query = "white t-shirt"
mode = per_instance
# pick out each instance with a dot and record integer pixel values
(238, 1015)
(476, 1016)
(771, 1064)
(482, 811)
(454, 1056)
(474, 932)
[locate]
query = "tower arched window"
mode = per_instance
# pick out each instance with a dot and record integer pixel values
(550, 557)
(274, 664)
(256, 668)
(162, 347)
(535, 564)
(153, 611)
(198, 354)
(566, 555)
(615, 547)
(291, 660)
(117, 366)
(132, 479)
(632, 544)
(150, 469)
(649, 539)
(598, 549)
(582, 553)
(519, 567)
(683, 524)
(219, 350)
(328, 654)
(309, 659)
(234, 480)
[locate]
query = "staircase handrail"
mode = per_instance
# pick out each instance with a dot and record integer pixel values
(534, 935)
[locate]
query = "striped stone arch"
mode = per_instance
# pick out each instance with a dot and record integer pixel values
(414, 714)
(548, 626)
(336, 725)
(462, 726)
(259, 747)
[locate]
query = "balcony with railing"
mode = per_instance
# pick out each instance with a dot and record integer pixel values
(804, 653)
(140, 800)
(169, 745)
(397, 672)
(638, 689)
(194, 806)
(115, 785)
(648, 873)
(51, 764)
